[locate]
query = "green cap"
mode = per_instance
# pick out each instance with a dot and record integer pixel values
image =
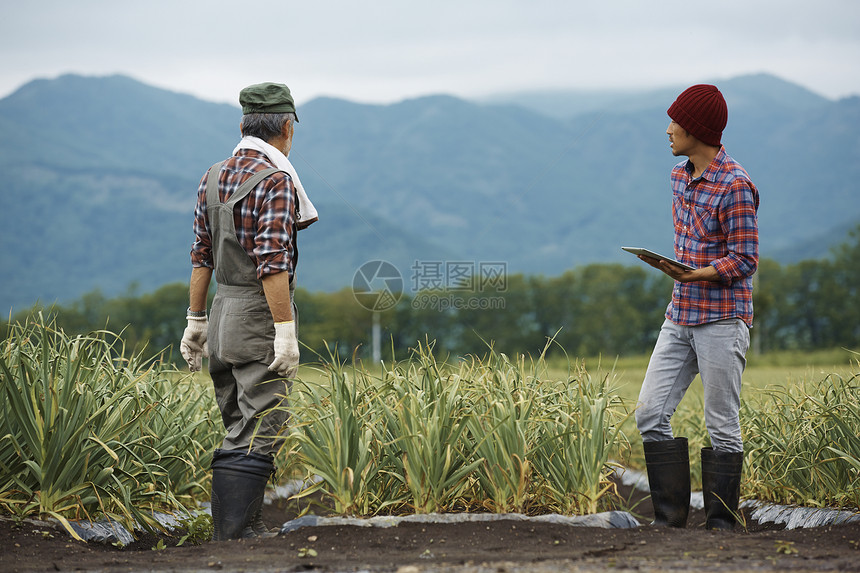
(267, 98)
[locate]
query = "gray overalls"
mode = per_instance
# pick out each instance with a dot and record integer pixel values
(242, 332)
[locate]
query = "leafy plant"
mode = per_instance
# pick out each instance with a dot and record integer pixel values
(334, 440)
(432, 436)
(432, 416)
(802, 444)
(197, 529)
(503, 429)
(578, 435)
(86, 430)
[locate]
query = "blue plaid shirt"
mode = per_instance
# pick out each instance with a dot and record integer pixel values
(715, 219)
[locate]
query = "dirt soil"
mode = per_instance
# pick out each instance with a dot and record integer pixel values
(497, 547)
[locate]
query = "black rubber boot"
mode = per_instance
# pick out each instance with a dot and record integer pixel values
(238, 485)
(721, 487)
(259, 526)
(668, 464)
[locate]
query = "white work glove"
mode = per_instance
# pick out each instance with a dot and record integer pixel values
(194, 345)
(286, 348)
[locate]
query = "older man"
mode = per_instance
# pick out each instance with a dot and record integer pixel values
(245, 225)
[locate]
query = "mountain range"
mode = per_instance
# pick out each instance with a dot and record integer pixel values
(100, 177)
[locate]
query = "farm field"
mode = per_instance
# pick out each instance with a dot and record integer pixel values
(519, 413)
(772, 369)
(495, 547)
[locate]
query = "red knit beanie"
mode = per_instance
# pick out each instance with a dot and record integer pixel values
(702, 111)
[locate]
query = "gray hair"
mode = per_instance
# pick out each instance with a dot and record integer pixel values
(265, 125)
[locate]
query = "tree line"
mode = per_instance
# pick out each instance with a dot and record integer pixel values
(607, 309)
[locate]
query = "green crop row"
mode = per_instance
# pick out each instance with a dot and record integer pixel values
(88, 430)
(488, 434)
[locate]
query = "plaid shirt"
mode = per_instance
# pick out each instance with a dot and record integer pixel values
(265, 220)
(715, 224)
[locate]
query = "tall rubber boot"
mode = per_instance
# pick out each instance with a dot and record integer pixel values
(721, 487)
(238, 485)
(668, 464)
(259, 526)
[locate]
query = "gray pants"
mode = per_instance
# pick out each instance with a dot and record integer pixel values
(252, 399)
(717, 351)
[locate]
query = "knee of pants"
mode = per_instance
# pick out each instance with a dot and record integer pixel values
(726, 441)
(647, 419)
(724, 429)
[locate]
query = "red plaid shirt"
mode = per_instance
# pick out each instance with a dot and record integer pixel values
(265, 219)
(715, 218)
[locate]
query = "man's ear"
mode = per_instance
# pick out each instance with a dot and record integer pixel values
(240, 128)
(288, 125)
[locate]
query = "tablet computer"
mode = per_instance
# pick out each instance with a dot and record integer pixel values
(658, 256)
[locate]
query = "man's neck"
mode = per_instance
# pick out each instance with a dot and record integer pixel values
(701, 158)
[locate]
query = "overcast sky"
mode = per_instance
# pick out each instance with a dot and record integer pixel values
(384, 51)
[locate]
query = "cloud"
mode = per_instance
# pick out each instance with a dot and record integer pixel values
(388, 49)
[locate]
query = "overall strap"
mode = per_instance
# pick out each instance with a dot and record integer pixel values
(212, 184)
(248, 185)
(233, 265)
(212, 196)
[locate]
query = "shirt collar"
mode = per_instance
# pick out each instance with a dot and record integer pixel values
(710, 173)
(248, 152)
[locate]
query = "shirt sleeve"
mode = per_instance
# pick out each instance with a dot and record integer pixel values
(739, 224)
(274, 241)
(201, 249)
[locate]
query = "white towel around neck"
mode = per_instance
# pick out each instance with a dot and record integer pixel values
(307, 213)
